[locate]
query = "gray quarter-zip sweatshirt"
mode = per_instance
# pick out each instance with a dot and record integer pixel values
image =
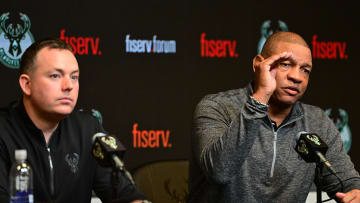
(238, 156)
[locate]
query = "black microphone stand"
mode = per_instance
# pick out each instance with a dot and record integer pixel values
(118, 168)
(115, 181)
(318, 178)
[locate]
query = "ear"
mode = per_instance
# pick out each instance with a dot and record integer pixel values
(25, 83)
(256, 61)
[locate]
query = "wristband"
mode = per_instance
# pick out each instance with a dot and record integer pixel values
(258, 102)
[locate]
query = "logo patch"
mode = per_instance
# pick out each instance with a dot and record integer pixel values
(14, 40)
(73, 161)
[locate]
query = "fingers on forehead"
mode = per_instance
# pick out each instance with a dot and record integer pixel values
(281, 56)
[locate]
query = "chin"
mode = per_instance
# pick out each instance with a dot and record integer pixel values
(289, 101)
(64, 111)
(286, 100)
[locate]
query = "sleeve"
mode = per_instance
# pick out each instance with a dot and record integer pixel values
(114, 187)
(221, 141)
(4, 174)
(342, 164)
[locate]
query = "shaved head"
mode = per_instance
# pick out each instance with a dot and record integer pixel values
(274, 39)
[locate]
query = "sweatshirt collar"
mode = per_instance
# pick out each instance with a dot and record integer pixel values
(30, 126)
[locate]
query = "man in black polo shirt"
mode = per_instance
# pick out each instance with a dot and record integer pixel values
(58, 140)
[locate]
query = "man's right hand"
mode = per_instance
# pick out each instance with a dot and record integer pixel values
(265, 72)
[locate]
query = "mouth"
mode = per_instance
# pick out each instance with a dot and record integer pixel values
(65, 99)
(291, 90)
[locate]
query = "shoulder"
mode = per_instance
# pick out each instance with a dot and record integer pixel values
(84, 118)
(7, 123)
(86, 115)
(6, 113)
(223, 105)
(226, 99)
(313, 112)
(318, 121)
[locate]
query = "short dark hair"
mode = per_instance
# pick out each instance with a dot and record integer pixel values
(27, 61)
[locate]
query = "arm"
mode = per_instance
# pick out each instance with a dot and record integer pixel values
(342, 164)
(222, 139)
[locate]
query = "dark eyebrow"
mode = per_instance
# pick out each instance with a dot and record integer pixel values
(59, 70)
(62, 72)
(306, 65)
(293, 61)
(75, 71)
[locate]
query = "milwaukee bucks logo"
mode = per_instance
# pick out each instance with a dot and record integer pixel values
(14, 39)
(268, 28)
(341, 120)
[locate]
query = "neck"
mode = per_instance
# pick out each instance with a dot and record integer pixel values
(43, 121)
(278, 112)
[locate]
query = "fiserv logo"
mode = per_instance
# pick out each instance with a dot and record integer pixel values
(150, 138)
(14, 40)
(328, 49)
(82, 45)
(210, 48)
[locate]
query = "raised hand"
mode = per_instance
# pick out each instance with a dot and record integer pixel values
(265, 72)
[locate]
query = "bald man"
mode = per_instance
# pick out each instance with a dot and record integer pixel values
(243, 140)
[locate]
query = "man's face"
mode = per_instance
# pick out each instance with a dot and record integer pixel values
(292, 74)
(54, 83)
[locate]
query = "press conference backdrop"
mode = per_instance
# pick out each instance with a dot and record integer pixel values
(145, 64)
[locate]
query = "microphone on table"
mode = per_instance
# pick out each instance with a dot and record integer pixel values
(312, 149)
(108, 152)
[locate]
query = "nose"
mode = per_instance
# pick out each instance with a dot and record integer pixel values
(67, 84)
(295, 75)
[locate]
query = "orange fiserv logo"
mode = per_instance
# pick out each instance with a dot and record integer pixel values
(150, 138)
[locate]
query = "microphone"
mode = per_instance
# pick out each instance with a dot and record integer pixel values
(106, 150)
(312, 149)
